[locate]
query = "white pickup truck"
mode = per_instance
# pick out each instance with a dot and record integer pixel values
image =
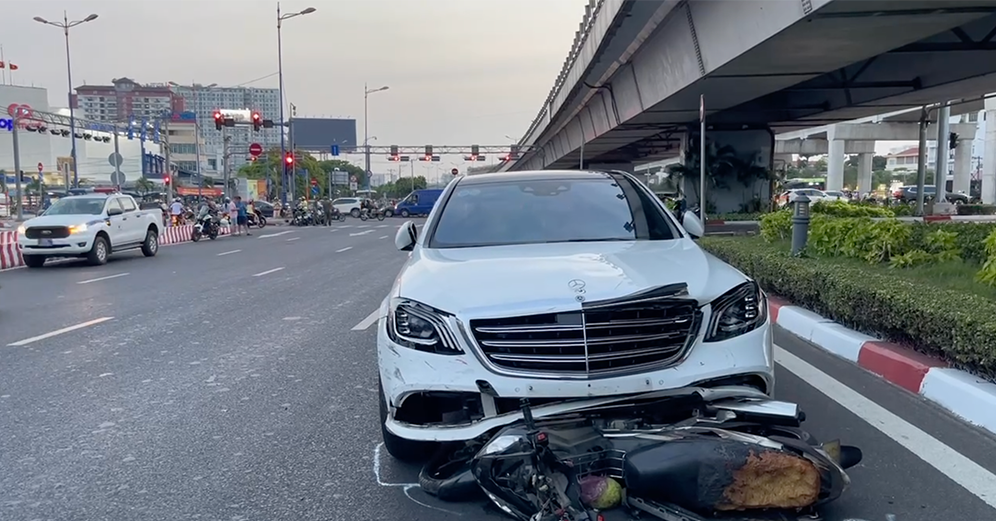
(90, 226)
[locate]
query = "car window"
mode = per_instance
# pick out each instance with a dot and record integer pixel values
(342, 201)
(77, 206)
(126, 204)
(546, 211)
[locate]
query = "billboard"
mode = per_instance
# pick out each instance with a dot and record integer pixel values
(319, 134)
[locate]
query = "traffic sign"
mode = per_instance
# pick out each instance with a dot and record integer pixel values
(314, 182)
(255, 149)
(41, 167)
(353, 179)
(455, 171)
(335, 150)
(115, 159)
(117, 178)
(314, 190)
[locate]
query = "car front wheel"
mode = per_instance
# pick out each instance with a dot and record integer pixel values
(34, 261)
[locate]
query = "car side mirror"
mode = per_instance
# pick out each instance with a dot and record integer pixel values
(406, 237)
(693, 225)
(114, 211)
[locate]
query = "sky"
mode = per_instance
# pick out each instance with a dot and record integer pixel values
(460, 72)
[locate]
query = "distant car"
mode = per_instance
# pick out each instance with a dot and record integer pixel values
(907, 194)
(813, 194)
(348, 205)
(264, 208)
(835, 196)
(89, 226)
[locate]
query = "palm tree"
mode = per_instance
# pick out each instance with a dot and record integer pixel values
(144, 185)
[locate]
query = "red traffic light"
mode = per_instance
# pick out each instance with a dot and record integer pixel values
(217, 114)
(256, 116)
(289, 158)
(166, 180)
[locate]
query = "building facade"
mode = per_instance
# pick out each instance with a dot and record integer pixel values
(125, 99)
(205, 100)
(52, 151)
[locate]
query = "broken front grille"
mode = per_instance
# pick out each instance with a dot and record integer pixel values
(599, 340)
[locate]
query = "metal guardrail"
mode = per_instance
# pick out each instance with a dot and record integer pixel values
(580, 38)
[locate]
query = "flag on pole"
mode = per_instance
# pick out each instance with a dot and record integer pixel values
(3, 65)
(14, 67)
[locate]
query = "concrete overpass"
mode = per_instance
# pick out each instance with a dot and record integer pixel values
(629, 90)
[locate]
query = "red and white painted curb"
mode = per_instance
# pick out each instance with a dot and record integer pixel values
(10, 254)
(967, 396)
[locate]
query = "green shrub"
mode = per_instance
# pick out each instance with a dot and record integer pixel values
(776, 226)
(943, 322)
(969, 240)
(977, 209)
(846, 209)
(859, 238)
(749, 216)
(987, 275)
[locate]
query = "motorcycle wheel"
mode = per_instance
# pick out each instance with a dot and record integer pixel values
(195, 236)
(261, 222)
(213, 235)
(363, 217)
(447, 478)
(380, 217)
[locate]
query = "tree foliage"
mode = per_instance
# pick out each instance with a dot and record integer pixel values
(401, 187)
(308, 168)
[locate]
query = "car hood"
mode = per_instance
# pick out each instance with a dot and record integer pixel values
(539, 278)
(61, 220)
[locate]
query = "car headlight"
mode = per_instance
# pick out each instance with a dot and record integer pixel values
(417, 326)
(78, 228)
(21, 229)
(738, 311)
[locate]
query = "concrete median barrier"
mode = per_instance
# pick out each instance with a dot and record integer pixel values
(10, 253)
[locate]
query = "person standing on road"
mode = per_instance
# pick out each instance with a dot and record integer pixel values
(327, 208)
(243, 215)
(231, 211)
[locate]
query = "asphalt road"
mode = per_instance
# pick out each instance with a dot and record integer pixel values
(225, 381)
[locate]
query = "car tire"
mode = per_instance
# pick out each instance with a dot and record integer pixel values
(408, 451)
(98, 252)
(405, 214)
(34, 261)
(150, 246)
(355, 212)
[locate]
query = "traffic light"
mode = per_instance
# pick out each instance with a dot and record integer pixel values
(953, 141)
(219, 120)
(475, 151)
(166, 180)
(257, 121)
(428, 152)
(514, 153)
(394, 153)
(289, 159)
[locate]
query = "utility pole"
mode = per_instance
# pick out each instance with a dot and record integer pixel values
(17, 170)
(226, 138)
(169, 168)
(293, 179)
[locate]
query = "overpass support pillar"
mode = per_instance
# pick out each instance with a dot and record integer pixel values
(989, 156)
(963, 166)
(835, 164)
(864, 173)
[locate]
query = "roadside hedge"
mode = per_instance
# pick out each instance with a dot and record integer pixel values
(956, 326)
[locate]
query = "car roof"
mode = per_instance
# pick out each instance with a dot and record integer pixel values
(89, 196)
(532, 175)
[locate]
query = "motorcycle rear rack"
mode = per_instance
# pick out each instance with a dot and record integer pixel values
(668, 512)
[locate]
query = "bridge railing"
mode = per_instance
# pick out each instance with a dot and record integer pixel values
(583, 35)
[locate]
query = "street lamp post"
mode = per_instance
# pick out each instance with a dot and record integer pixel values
(66, 25)
(366, 130)
(280, 76)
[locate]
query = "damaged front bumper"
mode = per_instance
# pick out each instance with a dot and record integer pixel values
(466, 400)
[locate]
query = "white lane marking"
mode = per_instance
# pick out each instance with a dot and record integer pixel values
(278, 234)
(267, 272)
(383, 225)
(228, 253)
(360, 233)
(57, 332)
(334, 230)
(293, 239)
(347, 248)
(103, 278)
(384, 237)
(963, 471)
(363, 226)
(367, 322)
(405, 487)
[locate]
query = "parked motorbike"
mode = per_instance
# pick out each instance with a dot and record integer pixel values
(206, 226)
(693, 454)
(256, 219)
(302, 217)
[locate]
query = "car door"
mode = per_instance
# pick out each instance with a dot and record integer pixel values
(116, 217)
(132, 226)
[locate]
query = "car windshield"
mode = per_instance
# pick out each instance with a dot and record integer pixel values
(548, 211)
(76, 206)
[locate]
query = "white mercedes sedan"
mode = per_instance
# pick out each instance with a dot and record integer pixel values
(556, 286)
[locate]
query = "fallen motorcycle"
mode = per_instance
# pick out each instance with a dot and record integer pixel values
(694, 454)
